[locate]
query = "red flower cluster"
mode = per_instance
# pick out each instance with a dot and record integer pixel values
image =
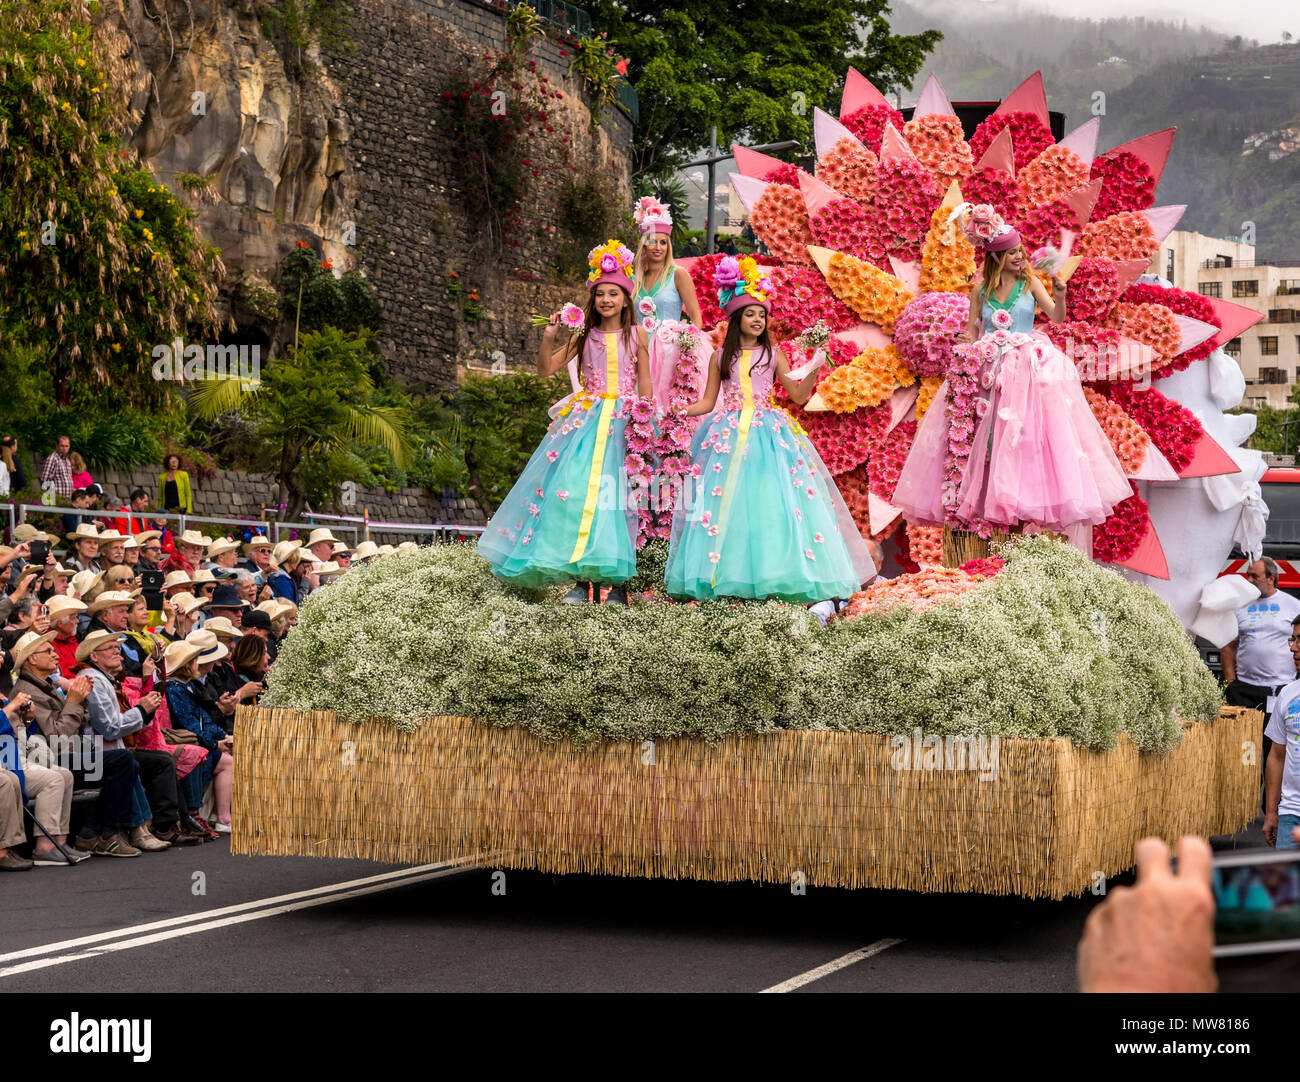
(706, 292)
(983, 568)
(1182, 303)
(1127, 183)
(1043, 224)
(939, 144)
(1173, 429)
(1029, 136)
(925, 543)
(868, 124)
(1119, 536)
(785, 173)
(1085, 344)
(1124, 235)
(853, 487)
(1152, 324)
(994, 187)
(1056, 171)
(850, 169)
(1093, 290)
(906, 198)
(887, 458)
(845, 226)
(842, 439)
(801, 297)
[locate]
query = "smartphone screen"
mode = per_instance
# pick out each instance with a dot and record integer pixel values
(1257, 902)
(40, 551)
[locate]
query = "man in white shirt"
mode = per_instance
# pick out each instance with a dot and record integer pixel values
(1282, 765)
(1258, 663)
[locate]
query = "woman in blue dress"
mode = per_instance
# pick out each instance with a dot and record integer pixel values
(764, 519)
(664, 292)
(572, 513)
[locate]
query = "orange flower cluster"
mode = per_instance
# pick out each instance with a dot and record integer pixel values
(947, 256)
(929, 388)
(1153, 324)
(780, 219)
(1126, 436)
(925, 543)
(849, 168)
(1054, 172)
(867, 380)
(876, 296)
(1125, 235)
(940, 145)
(919, 590)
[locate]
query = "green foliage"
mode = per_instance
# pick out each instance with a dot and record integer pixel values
(1055, 646)
(742, 69)
(294, 25)
(594, 61)
(590, 210)
(98, 260)
(1268, 435)
(326, 301)
(523, 25)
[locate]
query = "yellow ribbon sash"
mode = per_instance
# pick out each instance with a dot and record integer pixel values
(598, 453)
(742, 434)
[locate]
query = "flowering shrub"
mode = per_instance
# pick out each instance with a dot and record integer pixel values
(1172, 428)
(1125, 434)
(1053, 173)
(1183, 303)
(868, 124)
(1119, 536)
(1029, 136)
(994, 187)
(780, 219)
(906, 197)
(845, 226)
(850, 169)
(927, 330)
(876, 296)
(1127, 183)
(887, 458)
(947, 256)
(1150, 323)
(939, 145)
(1124, 235)
(1093, 290)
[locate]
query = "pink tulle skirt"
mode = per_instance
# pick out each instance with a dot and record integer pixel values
(1039, 455)
(919, 490)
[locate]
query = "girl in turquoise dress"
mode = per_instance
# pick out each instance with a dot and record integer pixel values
(571, 514)
(664, 292)
(764, 519)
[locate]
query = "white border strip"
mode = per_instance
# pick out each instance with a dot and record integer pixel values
(822, 971)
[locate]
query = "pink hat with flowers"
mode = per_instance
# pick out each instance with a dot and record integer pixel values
(611, 262)
(985, 227)
(740, 283)
(652, 216)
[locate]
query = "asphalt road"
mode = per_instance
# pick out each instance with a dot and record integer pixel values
(455, 933)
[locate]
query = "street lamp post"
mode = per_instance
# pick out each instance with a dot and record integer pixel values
(711, 162)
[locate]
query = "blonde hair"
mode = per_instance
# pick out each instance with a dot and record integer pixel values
(669, 267)
(994, 264)
(78, 463)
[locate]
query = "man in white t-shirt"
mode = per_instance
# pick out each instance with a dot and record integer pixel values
(1258, 663)
(1282, 767)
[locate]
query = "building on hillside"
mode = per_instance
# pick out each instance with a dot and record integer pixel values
(1268, 352)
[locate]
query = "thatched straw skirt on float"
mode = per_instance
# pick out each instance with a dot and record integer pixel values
(1037, 818)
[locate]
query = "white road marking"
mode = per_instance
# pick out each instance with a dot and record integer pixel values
(829, 968)
(235, 914)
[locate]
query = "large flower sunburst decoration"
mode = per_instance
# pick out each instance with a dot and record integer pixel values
(869, 245)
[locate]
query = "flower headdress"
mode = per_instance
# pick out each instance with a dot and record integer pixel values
(611, 262)
(984, 227)
(741, 282)
(652, 216)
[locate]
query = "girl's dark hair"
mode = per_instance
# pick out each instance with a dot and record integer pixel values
(591, 319)
(167, 460)
(731, 344)
(247, 654)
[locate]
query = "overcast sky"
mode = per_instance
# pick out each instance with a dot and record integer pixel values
(1261, 19)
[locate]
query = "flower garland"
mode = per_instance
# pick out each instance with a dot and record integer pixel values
(876, 296)
(1172, 428)
(868, 124)
(926, 332)
(1183, 303)
(1052, 173)
(1029, 136)
(1126, 436)
(906, 198)
(850, 168)
(780, 219)
(1093, 290)
(845, 226)
(925, 395)
(1127, 183)
(996, 188)
(925, 543)
(1123, 235)
(965, 407)
(947, 256)
(802, 297)
(1153, 324)
(1119, 536)
(939, 145)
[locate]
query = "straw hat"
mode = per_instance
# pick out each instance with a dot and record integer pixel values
(187, 602)
(329, 570)
(386, 550)
(95, 640)
(210, 647)
(203, 575)
(193, 537)
(85, 581)
(318, 536)
(60, 605)
(258, 542)
(286, 554)
(86, 531)
(27, 645)
(25, 531)
(176, 578)
(61, 572)
(277, 607)
(222, 545)
(407, 546)
(365, 551)
(145, 536)
(107, 537)
(109, 598)
(131, 543)
(179, 654)
(223, 628)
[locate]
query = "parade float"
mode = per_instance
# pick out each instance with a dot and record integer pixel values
(1000, 720)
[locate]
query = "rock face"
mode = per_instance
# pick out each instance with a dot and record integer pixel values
(352, 157)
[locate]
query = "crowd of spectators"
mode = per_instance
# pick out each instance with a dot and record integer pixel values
(126, 693)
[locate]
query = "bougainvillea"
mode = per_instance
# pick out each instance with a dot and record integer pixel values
(876, 296)
(939, 145)
(1130, 443)
(906, 197)
(801, 298)
(1119, 536)
(1093, 290)
(845, 226)
(1153, 324)
(1053, 173)
(1124, 235)
(1127, 183)
(994, 187)
(780, 219)
(927, 330)
(849, 168)
(1182, 303)
(1173, 429)
(1029, 136)
(868, 123)
(947, 256)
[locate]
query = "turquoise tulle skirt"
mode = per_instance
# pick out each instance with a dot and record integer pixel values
(785, 531)
(531, 538)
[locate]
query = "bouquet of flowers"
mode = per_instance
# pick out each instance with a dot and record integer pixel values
(571, 318)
